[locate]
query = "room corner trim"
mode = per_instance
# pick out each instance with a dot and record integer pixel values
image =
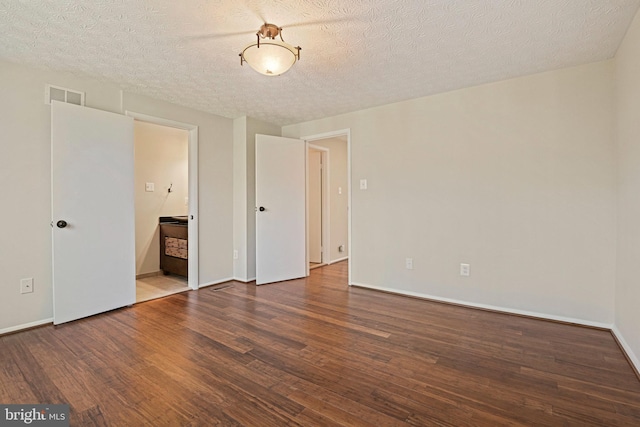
(626, 350)
(247, 280)
(217, 282)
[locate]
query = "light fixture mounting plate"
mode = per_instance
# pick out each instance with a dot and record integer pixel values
(269, 31)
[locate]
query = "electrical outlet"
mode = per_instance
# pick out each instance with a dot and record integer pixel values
(235, 254)
(465, 269)
(341, 248)
(26, 285)
(408, 263)
(149, 187)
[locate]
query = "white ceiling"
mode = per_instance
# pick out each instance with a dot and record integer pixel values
(355, 53)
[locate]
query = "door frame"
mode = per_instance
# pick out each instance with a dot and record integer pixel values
(332, 134)
(193, 262)
(325, 219)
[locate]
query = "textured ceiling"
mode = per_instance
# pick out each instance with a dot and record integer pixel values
(355, 53)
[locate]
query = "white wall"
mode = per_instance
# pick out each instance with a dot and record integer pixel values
(627, 298)
(516, 178)
(25, 170)
(240, 210)
(25, 174)
(338, 202)
(161, 158)
(244, 224)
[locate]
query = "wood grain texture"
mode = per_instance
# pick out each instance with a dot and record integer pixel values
(316, 352)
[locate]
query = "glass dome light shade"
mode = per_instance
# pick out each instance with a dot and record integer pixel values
(270, 57)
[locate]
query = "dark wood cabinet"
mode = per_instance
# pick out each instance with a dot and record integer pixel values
(174, 238)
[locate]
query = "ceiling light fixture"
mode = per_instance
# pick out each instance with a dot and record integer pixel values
(270, 57)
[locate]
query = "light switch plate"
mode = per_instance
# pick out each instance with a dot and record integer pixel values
(363, 184)
(149, 187)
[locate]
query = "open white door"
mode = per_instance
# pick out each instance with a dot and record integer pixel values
(280, 209)
(92, 211)
(314, 205)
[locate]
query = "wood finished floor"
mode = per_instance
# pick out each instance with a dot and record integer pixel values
(316, 352)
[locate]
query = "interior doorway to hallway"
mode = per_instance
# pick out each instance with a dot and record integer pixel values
(317, 186)
(328, 199)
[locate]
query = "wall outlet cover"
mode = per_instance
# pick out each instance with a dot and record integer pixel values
(465, 270)
(26, 285)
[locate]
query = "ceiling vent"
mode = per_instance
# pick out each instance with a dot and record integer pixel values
(62, 94)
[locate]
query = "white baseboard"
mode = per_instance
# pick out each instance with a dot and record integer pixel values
(333, 261)
(152, 274)
(507, 310)
(633, 358)
(217, 282)
(249, 280)
(25, 326)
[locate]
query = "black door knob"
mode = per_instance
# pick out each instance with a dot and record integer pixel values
(61, 224)
(261, 209)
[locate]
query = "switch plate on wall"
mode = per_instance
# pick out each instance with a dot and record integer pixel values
(149, 187)
(408, 263)
(363, 184)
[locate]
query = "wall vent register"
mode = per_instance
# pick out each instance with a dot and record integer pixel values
(62, 94)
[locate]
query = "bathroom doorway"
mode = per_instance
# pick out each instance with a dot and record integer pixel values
(161, 209)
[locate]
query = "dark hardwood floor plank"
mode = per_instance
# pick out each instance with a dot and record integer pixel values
(316, 352)
(309, 417)
(302, 390)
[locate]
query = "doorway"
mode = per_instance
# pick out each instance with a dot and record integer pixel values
(328, 215)
(161, 197)
(317, 204)
(281, 206)
(166, 206)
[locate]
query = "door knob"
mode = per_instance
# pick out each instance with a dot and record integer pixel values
(261, 209)
(61, 224)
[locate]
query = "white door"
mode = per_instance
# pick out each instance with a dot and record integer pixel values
(92, 192)
(280, 209)
(315, 206)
